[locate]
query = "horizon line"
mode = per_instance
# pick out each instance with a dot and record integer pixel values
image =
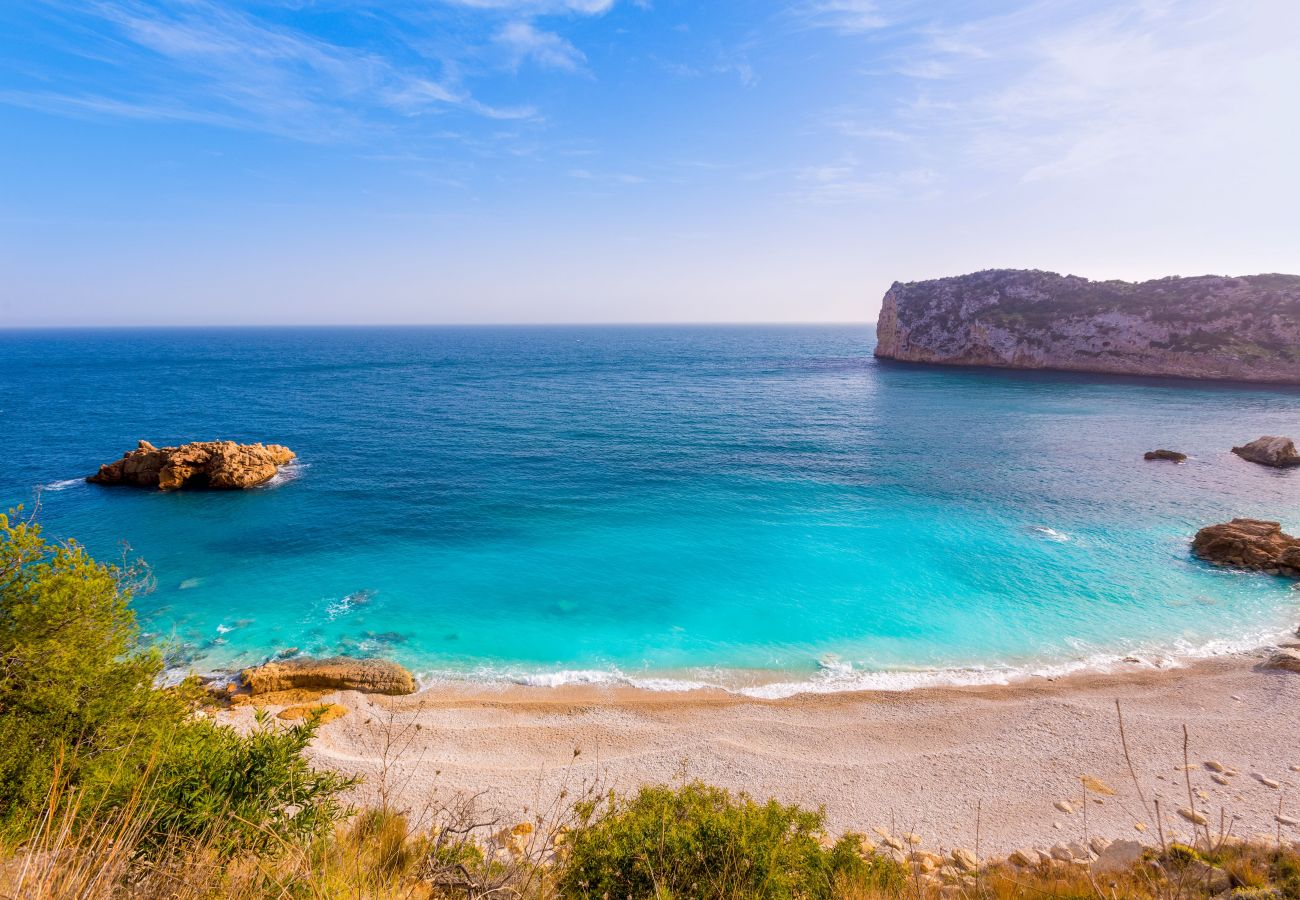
(324, 325)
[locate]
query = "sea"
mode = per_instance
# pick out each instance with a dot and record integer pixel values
(766, 509)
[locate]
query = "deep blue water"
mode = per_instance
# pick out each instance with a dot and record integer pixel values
(708, 503)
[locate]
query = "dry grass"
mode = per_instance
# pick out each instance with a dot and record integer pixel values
(460, 849)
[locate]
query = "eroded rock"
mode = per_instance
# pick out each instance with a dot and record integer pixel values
(1287, 660)
(215, 465)
(371, 676)
(1271, 450)
(1249, 544)
(1169, 455)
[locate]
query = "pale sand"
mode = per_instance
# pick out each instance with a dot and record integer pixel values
(919, 761)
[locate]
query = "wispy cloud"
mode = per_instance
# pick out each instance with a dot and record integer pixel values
(211, 62)
(1045, 91)
(526, 42)
(844, 16)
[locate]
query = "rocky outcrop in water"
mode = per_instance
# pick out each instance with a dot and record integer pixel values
(1249, 544)
(1167, 455)
(1278, 452)
(215, 465)
(1205, 327)
(371, 676)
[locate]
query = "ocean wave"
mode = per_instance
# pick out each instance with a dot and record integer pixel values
(289, 472)
(63, 485)
(1048, 534)
(834, 676)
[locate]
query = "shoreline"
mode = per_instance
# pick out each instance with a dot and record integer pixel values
(929, 760)
(831, 675)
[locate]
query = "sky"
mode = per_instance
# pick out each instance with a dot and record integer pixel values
(186, 162)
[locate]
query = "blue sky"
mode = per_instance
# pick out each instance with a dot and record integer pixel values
(339, 161)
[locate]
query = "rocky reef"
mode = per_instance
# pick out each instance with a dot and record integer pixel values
(216, 465)
(1249, 544)
(1244, 328)
(1172, 456)
(371, 676)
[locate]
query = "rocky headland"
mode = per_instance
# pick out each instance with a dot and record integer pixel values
(1211, 327)
(214, 465)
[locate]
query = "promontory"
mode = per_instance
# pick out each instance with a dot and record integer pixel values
(1245, 328)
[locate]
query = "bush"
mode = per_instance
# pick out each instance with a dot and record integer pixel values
(702, 841)
(82, 723)
(74, 689)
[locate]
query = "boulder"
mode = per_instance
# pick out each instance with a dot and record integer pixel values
(370, 676)
(1119, 856)
(1170, 455)
(1275, 451)
(1287, 660)
(218, 465)
(1249, 544)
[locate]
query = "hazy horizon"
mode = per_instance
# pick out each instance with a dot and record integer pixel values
(584, 162)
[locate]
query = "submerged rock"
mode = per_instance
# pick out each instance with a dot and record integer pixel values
(1249, 544)
(1170, 455)
(1270, 450)
(219, 465)
(371, 676)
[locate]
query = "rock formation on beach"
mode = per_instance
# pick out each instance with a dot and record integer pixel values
(1204, 327)
(218, 465)
(1278, 452)
(1249, 544)
(1170, 455)
(371, 676)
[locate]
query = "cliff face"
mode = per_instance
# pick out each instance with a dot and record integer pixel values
(1205, 327)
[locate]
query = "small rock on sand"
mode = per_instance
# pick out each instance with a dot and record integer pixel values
(1119, 856)
(965, 859)
(1064, 806)
(1023, 858)
(1266, 781)
(1192, 816)
(1286, 659)
(1215, 766)
(1286, 820)
(1219, 779)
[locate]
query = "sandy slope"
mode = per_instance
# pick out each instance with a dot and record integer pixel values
(921, 761)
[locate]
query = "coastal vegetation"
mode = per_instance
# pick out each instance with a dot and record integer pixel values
(113, 786)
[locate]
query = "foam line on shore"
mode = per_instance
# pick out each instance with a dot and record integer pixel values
(844, 678)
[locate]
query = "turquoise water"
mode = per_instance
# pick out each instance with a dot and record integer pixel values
(760, 507)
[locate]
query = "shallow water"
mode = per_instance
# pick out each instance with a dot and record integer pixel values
(732, 505)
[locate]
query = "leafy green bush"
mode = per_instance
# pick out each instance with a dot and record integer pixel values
(74, 690)
(81, 719)
(702, 841)
(240, 792)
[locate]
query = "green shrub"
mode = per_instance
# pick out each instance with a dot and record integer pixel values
(699, 841)
(250, 792)
(82, 722)
(74, 689)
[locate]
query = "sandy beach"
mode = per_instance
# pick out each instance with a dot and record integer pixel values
(929, 761)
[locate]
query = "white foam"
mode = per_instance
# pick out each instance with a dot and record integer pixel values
(1048, 534)
(837, 676)
(289, 472)
(63, 485)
